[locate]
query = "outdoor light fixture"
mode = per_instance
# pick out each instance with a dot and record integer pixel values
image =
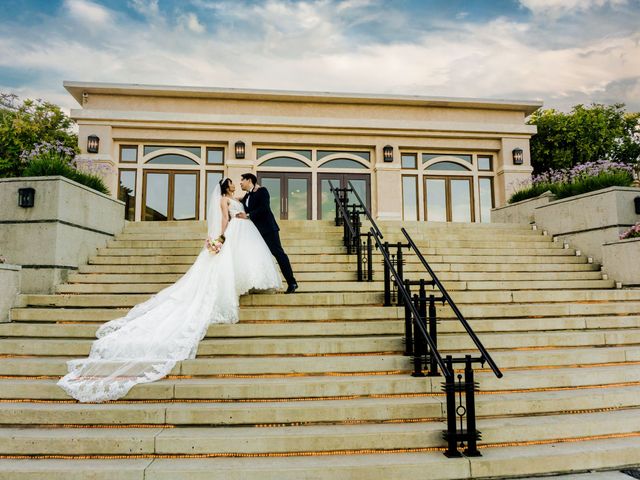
(387, 153)
(93, 143)
(636, 202)
(239, 149)
(26, 197)
(518, 156)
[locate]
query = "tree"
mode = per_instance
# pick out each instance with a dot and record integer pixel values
(23, 125)
(586, 134)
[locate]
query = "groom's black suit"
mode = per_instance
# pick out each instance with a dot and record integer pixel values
(257, 205)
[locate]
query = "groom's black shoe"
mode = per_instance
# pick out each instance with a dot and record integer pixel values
(292, 288)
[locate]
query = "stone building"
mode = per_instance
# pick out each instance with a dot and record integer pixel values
(410, 157)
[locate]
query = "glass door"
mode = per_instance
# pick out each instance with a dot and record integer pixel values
(290, 194)
(326, 204)
(170, 195)
(448, 199)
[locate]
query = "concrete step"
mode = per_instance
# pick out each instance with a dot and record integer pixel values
(342, 364)
(277, 299)
(277, 329)
(356, 312)
(304, 287)
(316, 345)
(185, 440)
(352, 286)
(334, 386)
(347, 276)
(310, 411)
(470, 298)
(246, 314)
(336, 246)
(347, 262)
(561, 457)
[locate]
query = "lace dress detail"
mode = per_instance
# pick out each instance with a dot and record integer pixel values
(146, 344)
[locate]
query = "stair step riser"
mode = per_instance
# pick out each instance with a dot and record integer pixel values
(333, 345)
(242, 440)
(352, 327)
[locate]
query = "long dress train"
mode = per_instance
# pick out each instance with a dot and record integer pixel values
(146, 344)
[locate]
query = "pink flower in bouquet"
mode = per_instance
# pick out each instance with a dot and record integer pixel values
(214, 246)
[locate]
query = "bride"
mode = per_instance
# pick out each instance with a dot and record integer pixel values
(146, 344)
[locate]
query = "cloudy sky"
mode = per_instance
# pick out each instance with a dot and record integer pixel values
(562, 52)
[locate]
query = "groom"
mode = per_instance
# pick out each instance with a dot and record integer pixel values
(258, 209)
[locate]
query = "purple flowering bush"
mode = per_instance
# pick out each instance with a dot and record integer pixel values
(583, 178)
(54, 158)
(633, 232)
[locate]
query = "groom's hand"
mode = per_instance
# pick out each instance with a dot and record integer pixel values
(241, 215)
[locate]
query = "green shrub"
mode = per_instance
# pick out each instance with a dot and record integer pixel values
(591, 184)
(583, 178)
(531, 191)
(51, 164)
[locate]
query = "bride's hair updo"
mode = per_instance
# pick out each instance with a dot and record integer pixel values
(224, 185)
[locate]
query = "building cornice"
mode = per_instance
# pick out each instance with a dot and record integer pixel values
(77, 89)
(264, 122)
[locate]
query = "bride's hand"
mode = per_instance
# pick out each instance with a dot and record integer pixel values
(241, 215)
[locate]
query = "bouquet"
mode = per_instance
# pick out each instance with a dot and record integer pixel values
(214, 246)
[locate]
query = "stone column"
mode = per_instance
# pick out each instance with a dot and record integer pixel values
(508, 175)
(103, 163)
(386, 186)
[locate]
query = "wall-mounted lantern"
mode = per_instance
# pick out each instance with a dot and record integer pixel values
(387, 153)
(518, 156)
(93, 143)
(240, 149)
(26, 197)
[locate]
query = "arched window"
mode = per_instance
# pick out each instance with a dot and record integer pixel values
(342, 163)
(172, 159)
(447, 166)
(284, 162)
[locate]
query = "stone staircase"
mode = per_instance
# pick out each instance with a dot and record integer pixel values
(314, 385)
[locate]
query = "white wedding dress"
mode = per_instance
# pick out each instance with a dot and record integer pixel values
(146, 344)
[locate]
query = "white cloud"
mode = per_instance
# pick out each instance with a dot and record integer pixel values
(146, 8)
(556, 7)
(85, 10)
(309, 45)
(190, 21)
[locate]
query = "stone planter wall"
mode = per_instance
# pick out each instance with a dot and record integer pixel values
(521, 212)
(65, 226)
(590, 220)
(9, 288)
(621, 261)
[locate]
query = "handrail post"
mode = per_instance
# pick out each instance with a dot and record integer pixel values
(451, 434)
(419, 343)
(408, 325)
(355, 222)
(387, 279)
(400, 270)
(433, 365)
(470, 388)
(369, 258)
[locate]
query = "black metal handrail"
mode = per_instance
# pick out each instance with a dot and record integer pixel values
(352, 235)
(409, 303)
(454, 307)
(365, 209)
(341, 208)
(421, 336)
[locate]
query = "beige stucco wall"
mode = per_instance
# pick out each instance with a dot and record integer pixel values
(64, 227)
